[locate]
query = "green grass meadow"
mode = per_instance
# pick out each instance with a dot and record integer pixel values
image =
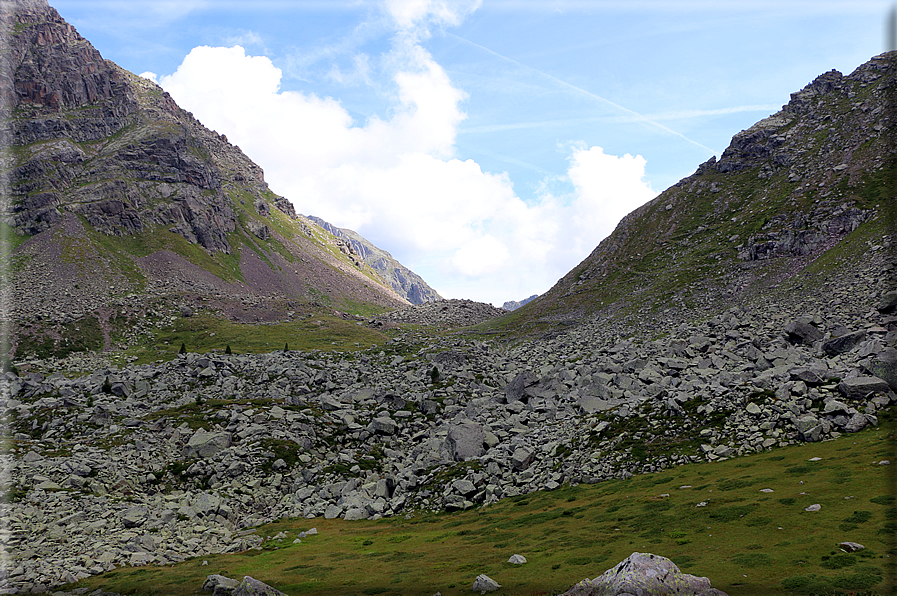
(205, 333)
(748, 542)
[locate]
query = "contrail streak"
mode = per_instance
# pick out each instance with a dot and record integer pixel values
(638, 117)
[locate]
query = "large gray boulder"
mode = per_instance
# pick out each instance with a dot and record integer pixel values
(466, 440)
(253, 587)
(483, 583)
(802, 331)
(843, 343)
(522, 458)
(517, 389)
(884, 366)
(644, 574)
(888, 302)
(383, 425)
(220, 585)
(862, 387)
(206, 444)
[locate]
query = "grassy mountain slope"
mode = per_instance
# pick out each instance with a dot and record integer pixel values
(118, 201)
(812, 180)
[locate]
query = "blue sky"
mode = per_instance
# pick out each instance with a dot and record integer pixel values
(488, 145)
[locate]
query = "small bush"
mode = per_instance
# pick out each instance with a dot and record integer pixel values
(862, 579)
(807, 584)
(859, 517)
(838, 561)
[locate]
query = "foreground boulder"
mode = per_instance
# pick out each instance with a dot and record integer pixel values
(644, 574)
(220, 585)
(483, 583)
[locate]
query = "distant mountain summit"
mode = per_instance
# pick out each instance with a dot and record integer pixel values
(514, 305)
(116, 199)
(404, 281)
(797, 195)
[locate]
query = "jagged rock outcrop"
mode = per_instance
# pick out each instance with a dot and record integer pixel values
(405, 282)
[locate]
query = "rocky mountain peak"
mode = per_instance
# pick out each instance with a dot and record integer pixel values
(109, 179)
(792, 186)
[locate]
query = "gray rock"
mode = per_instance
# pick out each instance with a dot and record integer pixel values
(483, 583)
(802, 331)
(464, 487)
(833, 406)
(862, 387)
(522, 458)
(884, 366)
(888, 302)
(811, 375)
(644, 574)
(844, 343)
(856, 423)
(517, 560)
(851, 547)
(384, 425)
(466, 440)
(32, 457)
(355, 514)
(253, 587)
(517, 389)
(204, 444)
(219, 585)
(134, 517)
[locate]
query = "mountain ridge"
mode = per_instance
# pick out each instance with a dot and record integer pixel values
(404, 281)
(109, 179)
(786, 190)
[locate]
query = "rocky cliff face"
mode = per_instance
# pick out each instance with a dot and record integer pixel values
(115, 191)
(404, 281)
(796, 191)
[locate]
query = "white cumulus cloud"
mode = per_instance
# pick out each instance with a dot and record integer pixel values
(397, 179)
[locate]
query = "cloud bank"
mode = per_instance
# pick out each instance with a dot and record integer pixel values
(397, 178)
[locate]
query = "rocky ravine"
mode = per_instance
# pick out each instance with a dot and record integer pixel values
(178, 459)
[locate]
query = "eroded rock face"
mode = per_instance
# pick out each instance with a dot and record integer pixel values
(405, 282)
(100, 142)
(646, 574)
